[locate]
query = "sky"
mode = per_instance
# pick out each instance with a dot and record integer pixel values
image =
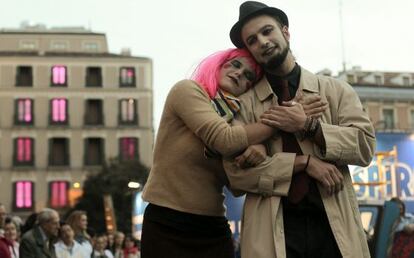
(177, 34)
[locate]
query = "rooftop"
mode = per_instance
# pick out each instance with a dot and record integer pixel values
(32, 28)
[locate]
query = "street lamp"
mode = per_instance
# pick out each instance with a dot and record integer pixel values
(134, 185)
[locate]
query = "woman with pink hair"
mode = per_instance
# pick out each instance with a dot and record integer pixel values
(185, 215)
(207, 73)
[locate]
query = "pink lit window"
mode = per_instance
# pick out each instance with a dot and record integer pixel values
(24, 149)
(129, 148)
(24, 110)
(128, 110)
(59, 75)
(24, 195)
(59, 110)
(58, 194)
(127, 76)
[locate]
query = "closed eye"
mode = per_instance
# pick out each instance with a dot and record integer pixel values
(236, 64)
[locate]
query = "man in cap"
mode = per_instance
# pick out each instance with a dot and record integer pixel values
(311, 209)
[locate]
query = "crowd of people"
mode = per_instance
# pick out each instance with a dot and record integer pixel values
(45, 235)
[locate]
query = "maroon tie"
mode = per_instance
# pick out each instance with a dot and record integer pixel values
(300, 181)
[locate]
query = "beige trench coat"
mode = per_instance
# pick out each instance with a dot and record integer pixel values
(350, 139)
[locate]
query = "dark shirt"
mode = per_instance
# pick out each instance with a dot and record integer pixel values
(312, 201)
(293, 79)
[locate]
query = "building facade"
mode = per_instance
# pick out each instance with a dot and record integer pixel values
(67, 105)
(388, 98)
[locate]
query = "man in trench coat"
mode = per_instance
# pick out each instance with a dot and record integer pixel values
(326, 221)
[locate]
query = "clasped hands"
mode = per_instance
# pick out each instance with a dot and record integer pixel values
(291, 117)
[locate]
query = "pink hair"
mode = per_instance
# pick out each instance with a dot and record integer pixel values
(208, 71)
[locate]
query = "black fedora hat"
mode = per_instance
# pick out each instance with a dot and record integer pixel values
(249, 10)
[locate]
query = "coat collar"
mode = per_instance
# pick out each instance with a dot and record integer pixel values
(41, 242)
(308, 82)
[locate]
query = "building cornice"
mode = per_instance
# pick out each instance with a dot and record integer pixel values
(48, 32)
(385, 93)
(50, 54)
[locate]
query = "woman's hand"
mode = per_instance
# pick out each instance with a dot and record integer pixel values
(252, 156)
(289, 117)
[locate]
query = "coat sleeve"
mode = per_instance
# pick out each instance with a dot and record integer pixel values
(192, 105)
(4, 250)
(271, 177)
(26, 249)
(350, 138)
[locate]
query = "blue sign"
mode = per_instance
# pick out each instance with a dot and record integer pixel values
(234, 211)
(138, 208)
(390, 173)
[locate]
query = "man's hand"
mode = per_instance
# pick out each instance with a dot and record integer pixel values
(326, 174)
(252, 156)
(290, 117)
(312, 105)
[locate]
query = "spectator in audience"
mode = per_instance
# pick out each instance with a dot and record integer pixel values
(110, 243)
(78, 220)
(38, 242)
(3, 215)
(130, 248)
(99, 250)
(12, 234)
(118, 247)
(401, 244)
(406, 220)
(67, 247)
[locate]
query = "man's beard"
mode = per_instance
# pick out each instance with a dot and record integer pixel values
(275, 61)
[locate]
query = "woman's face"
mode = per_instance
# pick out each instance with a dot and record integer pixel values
(236, 76)
(83, 222)
(119, 239)
(110, 239)
(10, 231)
(100, 243)
(129, 243)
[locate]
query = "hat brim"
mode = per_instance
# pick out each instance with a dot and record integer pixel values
(235, 32)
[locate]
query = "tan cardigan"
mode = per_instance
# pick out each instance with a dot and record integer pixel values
(181, 177)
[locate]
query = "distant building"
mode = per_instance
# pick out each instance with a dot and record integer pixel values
(388, 97)
(67, 105)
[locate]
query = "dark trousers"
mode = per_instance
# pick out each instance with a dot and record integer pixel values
(308, 234)
(159, 241)
(177, 240)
